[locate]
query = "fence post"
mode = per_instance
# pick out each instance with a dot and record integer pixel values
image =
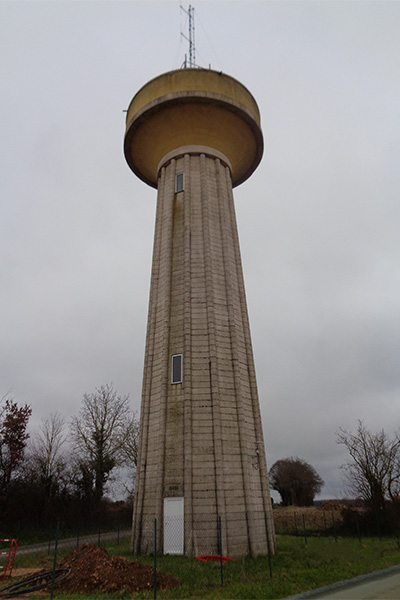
(378, 526)
(358, 529)
(155, 560)
(54, 563)
(219, 529)
(334, 527)
(268, 547)
(304, 528)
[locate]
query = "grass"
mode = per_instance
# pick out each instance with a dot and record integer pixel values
(297, 567)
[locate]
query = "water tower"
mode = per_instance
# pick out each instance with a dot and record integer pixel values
(194, 134)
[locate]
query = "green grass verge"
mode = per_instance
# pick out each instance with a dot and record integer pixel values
(297, 567)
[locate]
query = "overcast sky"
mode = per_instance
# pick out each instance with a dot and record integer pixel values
(318, 221)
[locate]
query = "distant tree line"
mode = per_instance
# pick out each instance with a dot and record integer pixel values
(64, 472)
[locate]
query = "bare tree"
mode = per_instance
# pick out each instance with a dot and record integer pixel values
(46, 468)
(296, 481)
(373, 473)
(131, 447)
(101, 433)
(130, 453)
(46, 448)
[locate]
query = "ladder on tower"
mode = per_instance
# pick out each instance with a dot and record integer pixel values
(9, 553)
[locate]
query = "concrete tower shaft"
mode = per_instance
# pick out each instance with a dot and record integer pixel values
(192, 134)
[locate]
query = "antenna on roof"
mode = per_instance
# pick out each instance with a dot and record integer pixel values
(190, 39)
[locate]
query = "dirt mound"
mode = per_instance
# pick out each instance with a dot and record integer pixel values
(93, 569)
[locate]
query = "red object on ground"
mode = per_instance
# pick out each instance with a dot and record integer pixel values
(215, 557)
(10, 553)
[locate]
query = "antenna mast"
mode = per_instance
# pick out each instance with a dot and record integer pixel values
(190, 39)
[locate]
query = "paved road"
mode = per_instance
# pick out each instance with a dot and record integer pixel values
(72, 542)
(379, 585)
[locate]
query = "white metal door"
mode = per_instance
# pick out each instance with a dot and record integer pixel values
(173, 526)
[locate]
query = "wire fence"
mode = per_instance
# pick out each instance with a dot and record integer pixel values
(166, 547)
(202, 534)
(101, 538)
(213, 569)
(341, 521)
(199, 555)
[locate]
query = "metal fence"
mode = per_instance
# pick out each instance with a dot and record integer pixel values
(167, 546)
(346, 521)
(203, 534)
(99, 539)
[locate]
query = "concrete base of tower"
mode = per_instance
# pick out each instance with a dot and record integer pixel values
(202, 534)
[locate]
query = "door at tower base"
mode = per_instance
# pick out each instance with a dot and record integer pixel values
(173, 526)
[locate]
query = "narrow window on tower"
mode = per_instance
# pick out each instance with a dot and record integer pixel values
(179, 182)
(176, 368)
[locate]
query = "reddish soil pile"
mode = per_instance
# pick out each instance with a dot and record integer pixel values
(93, 569)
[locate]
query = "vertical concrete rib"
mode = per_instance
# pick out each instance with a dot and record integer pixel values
(146, 406)
(163, 355)
(228, 252)
(187, 363)
(262, 461)
(251, 414)
(209, 200)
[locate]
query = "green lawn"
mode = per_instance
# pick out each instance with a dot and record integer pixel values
(297, 567)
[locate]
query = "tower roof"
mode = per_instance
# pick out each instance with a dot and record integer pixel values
(193, 107)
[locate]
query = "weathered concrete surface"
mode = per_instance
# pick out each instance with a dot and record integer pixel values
(201, 439)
